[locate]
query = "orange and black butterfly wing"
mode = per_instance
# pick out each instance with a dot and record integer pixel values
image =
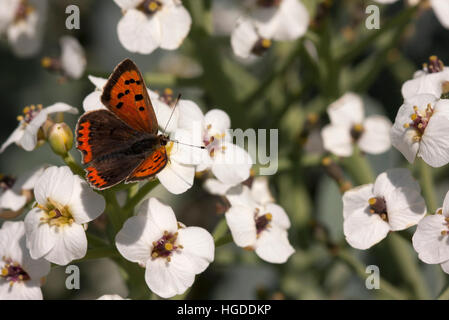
(105, 141)
(125, 94)
(149, 167)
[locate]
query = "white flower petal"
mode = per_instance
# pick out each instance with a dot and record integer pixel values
(85, 205)
(162, 216)
(425, 83)
(434, 146)
(273, 245)
(15, 137)
(217, 121)
(232, 164)
(241, 223)
(138, 32)
(98, 82)
(198, 246)
(279, 216)
(175, 22)
(55, 183)
(128, 4)
(216, 187)
(28, 180)
(134, 240)
(243, 38)
(168, 279)
(445, 266)
(376, 135)
(71, 244)
(40, 239)
(93, 101)
(11, 200)
(441, 9)
(190, 115)
(405, 208)
(356, 199)
(363, 230)
(73, 58)
(432, 247)
(347, 110)
(21, 291)
(177, 178)
(261, 191)
(392, 179)
(337, 139)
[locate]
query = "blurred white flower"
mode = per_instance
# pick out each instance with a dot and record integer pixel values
(111, 297)
(440, 8)
(421, 129)
(348, 126)
(257, 223)
(280, 20)
(54, 228)
(392, 203)
(72, 62)
(21, 276)
(246, 41)
(431, 237)
(22, 23)
(229, 163)
(14, 192)
(432, 79)
(171, 253)
(27, 134)
(149, 24)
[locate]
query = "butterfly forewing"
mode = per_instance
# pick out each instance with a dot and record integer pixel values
(125, 94)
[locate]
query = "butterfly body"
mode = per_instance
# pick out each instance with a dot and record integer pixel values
(121, 143)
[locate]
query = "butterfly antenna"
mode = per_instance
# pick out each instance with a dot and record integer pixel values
(172, 112)
(189, 145)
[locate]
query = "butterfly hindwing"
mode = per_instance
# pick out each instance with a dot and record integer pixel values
(125, 94)
(149, 167)
(99, 133)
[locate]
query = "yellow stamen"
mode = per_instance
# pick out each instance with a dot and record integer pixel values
(406, 125)
(326, 161)
(19, 118)
(153, 6)
(414, 116)
(440, 211)
(26, 109)
(372, 201)
(46, 62)
(358, 127)
(168, 91)
(443, 233)
(269, 216)
(266, 43)
(168, 246)
(4, 272)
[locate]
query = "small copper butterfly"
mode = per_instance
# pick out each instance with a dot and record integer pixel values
(122, 143)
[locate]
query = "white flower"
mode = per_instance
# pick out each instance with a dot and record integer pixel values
(440, 8)
(179, 173)
(54, 228)
(430, 80)
(13, 192)
(72, 62)
(246, 41)
(257, 223)
(431, 237)
(171, 253)
(149, 24)
(421, 129)
(22, 23)
(111, 297)
(281, 20)
(392, 203)
(229, 163)
(349, 126)
(26, 134)
(21, 276)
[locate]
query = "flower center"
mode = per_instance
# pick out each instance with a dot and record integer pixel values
(261, 46)
(356, 132)
(165, 246)
(268, 3)
(167, 96)
(29, 113)
(377, 205)
(262, 222)
(6, 182)
(420, 120)
(13, 272)
(434, 65)
(56, 215)
(151, 6)
(213, 142)
(23, 10)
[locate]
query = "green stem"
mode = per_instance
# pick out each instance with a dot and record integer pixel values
(444, 295)
(75, 167)
(408, 265)
(360, 269)
(94, 240)
(221, 233)
(139, 196)
(427, 185)
(113, 211)
(359, 168)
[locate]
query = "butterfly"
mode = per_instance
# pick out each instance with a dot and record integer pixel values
(121, 143)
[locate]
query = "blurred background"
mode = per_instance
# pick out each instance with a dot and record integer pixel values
(278, 91)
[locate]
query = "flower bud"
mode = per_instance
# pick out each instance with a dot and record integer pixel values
(60, 138)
